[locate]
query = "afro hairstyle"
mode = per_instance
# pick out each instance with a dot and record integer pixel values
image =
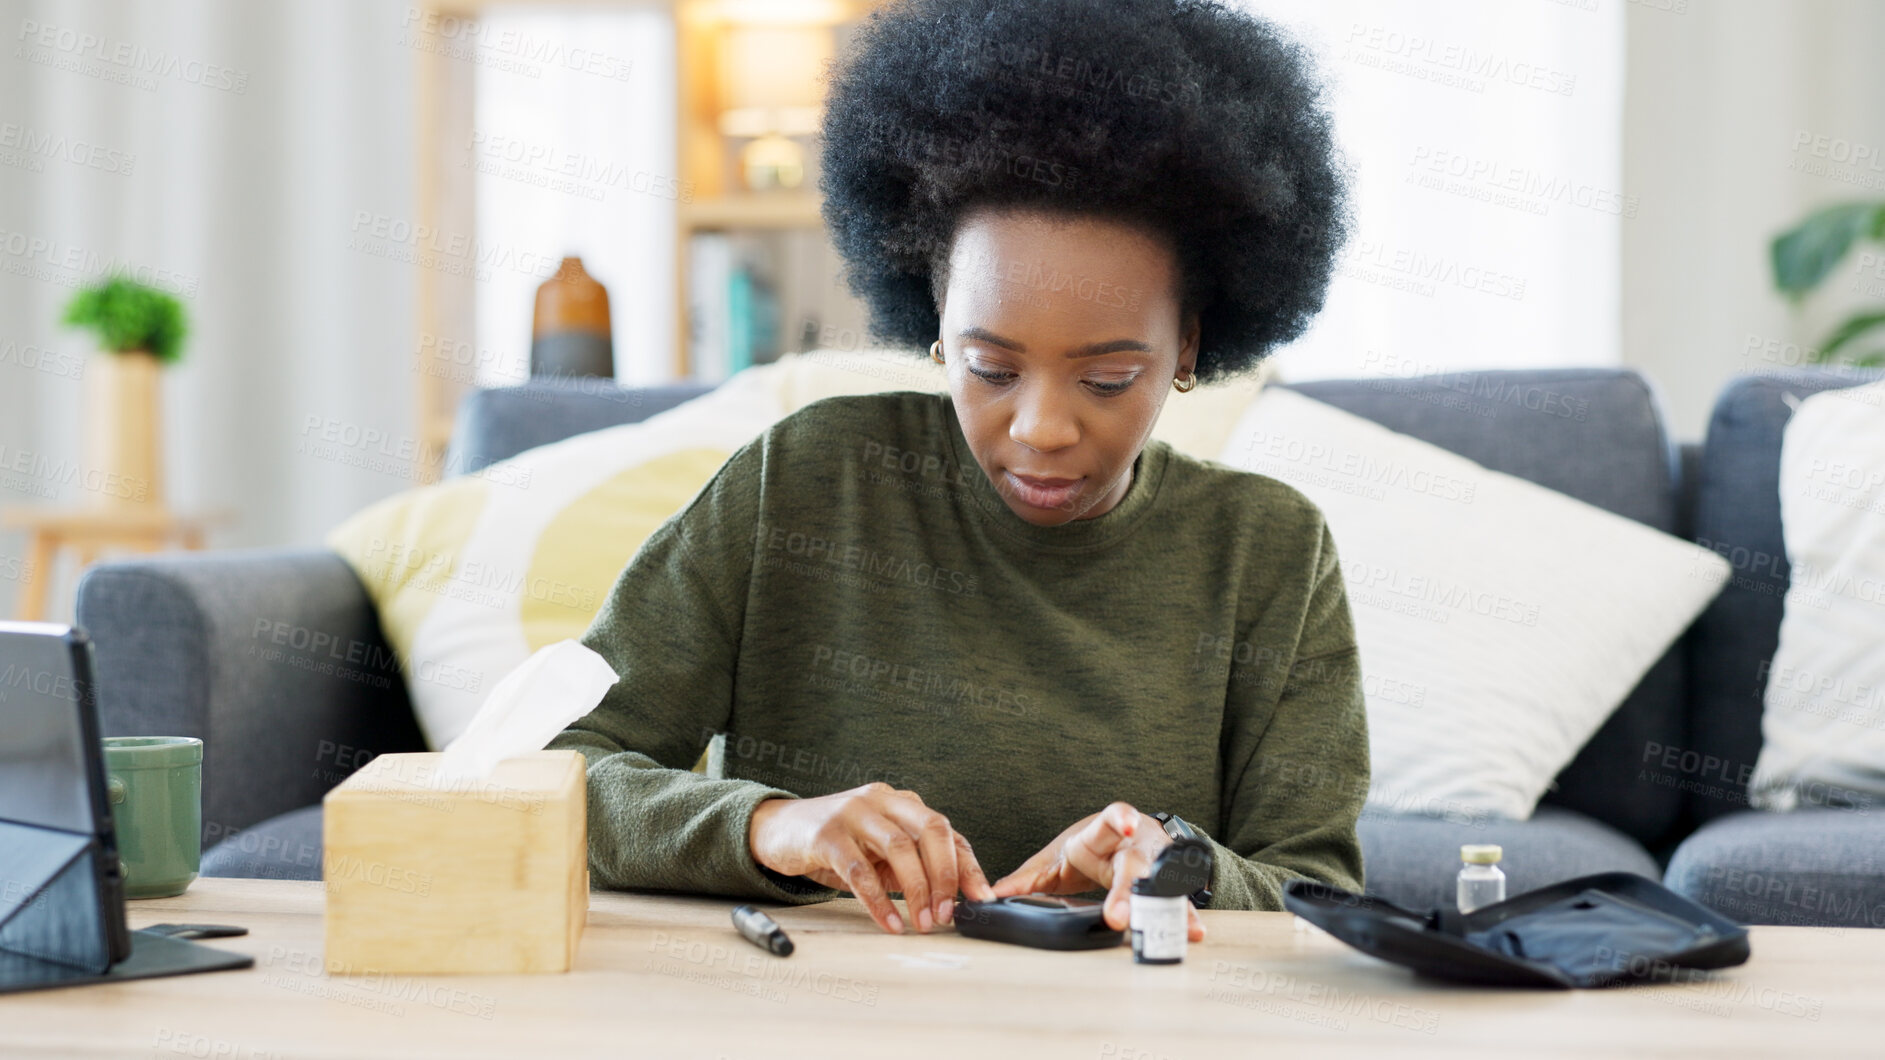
(1195, 122)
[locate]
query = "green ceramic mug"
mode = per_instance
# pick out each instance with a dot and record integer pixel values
(156, 788)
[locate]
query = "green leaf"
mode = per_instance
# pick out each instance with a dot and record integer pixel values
(1803, 256)
(1855, 326)
(127, 315)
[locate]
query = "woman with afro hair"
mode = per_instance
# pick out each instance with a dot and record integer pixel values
(1000, 633)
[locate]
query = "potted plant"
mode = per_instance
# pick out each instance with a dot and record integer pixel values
(139, 330)
(1806, 254)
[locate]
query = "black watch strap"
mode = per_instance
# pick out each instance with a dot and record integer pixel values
(1178, 828)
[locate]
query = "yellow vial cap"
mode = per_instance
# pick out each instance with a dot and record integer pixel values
(1481, 853)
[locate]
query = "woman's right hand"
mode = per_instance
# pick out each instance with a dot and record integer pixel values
(870, 841)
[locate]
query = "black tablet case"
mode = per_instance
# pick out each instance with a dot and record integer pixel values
(61, 895)
(1600, 930)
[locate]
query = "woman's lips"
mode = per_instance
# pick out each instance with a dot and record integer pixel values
(1044, 492)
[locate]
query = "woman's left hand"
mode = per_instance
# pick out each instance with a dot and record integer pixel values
(1109, 849)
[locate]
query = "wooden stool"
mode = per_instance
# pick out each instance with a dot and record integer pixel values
(88, 530)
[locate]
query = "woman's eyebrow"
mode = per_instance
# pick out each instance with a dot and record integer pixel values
(1092, 349)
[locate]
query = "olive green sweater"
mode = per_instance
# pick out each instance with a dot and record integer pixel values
(849, 600)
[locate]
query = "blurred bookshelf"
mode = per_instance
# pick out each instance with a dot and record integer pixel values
(754, 273)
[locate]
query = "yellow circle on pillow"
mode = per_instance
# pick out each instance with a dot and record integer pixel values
(584, 549)
(406, 550)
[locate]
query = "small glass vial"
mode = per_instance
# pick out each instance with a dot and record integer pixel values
(1161, 901)
(1481, 881)
(1159, 925)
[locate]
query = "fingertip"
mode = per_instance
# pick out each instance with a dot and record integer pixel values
(894, 923)
(1126, 818)
(1010, 885)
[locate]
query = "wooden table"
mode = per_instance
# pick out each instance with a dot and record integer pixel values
(661, 976)
(88, 531)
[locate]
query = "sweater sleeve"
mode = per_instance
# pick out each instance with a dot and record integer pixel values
(1295, 788)
(670, 628)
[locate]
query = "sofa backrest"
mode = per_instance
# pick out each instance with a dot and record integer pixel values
(1737, 514)
(499, 423)
(1594, 434)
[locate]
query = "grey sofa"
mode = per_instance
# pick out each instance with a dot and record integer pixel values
(275, 657)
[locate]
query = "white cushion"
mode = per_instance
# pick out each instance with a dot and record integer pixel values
(1823, 713)
(1499, 622)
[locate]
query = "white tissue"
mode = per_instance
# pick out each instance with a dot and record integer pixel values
(559, 683)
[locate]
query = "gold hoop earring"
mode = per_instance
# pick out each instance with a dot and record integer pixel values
(1185, 385)
(935, 351)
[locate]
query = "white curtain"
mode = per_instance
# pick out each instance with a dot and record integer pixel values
(244, 141)
(1485, 138)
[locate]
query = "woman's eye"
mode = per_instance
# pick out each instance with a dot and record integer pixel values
(1000, 378)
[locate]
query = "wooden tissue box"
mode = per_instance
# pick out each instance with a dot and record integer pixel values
(489, 876)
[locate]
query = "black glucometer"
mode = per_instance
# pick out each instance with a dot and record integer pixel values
(1044, 921)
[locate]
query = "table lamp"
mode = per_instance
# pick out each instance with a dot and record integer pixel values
(771, 89)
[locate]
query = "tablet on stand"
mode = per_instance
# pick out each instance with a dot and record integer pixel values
(61, 889)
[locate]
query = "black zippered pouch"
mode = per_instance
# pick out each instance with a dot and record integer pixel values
(1593, 931)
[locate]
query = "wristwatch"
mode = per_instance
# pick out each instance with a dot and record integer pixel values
(1178, 828)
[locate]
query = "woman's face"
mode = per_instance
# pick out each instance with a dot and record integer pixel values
(1061, 337)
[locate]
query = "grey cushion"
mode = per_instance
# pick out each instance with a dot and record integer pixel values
(1531, 424)
(498, 424)
(285, 847)
(1737, 514)
(1593, 434)
(1814, 867)
(1415, 861)
(274, 658)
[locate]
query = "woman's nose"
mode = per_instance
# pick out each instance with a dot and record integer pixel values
(1044, 419)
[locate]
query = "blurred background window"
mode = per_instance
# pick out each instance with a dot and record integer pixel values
(578, 161)
(1486, 140)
